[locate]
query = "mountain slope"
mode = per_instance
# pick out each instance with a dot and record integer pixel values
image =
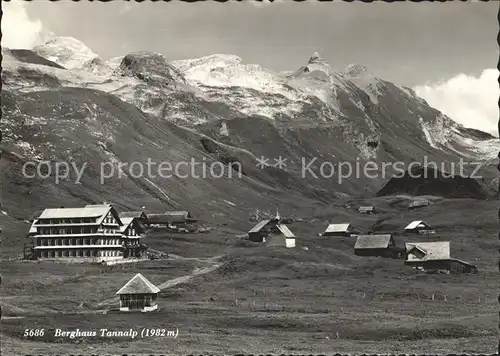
(62, 103)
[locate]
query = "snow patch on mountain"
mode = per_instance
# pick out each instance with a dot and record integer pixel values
(223, 131)
(115, 62)
(365, 80)
(226, 71)
(487, 150)
(440, 132)
(427, 134)
(252, 102)
(445, 134)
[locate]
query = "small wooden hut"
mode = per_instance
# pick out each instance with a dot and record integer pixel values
(138, 294)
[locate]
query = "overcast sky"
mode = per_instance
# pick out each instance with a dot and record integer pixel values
(413, 44)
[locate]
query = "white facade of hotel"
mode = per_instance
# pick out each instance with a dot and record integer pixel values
(93, 233)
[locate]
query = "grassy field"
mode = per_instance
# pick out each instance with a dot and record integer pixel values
(316, 298)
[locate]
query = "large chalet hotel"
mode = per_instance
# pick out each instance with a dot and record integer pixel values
(94, 233)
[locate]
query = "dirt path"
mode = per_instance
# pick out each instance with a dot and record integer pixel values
(184, 279)
(179, 280)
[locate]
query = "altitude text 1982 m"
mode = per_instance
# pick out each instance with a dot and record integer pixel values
(129, 333)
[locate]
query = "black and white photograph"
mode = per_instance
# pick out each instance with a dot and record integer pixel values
(249, 177)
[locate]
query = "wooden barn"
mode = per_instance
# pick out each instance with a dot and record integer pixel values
(419, 227)
(176, 220)
(382, 245)
(263, 228)
(434, 256)
(366, 210)
(158, 220)
(138, 294)
(180, 217)
(344, 229)
(282, 237)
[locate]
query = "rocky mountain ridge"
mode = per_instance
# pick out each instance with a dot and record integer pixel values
(62, 88)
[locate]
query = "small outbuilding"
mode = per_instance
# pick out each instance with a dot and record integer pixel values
(382, 245)
(419, 227)
(344, 229)
(366, 210)
(179, 219)
(176, 220)
(435, 256)
(138, 294)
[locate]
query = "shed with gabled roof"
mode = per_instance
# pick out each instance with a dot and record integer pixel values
(382, 245)
(344, 229)
(366, 209)
(419, 227)
(262, 229)
(180, 215)
(138, 294)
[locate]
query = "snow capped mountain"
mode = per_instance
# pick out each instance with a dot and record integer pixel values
(316, 67)
(66, 51)
(369, 113)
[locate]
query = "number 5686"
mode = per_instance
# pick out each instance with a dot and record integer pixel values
(33, 332)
